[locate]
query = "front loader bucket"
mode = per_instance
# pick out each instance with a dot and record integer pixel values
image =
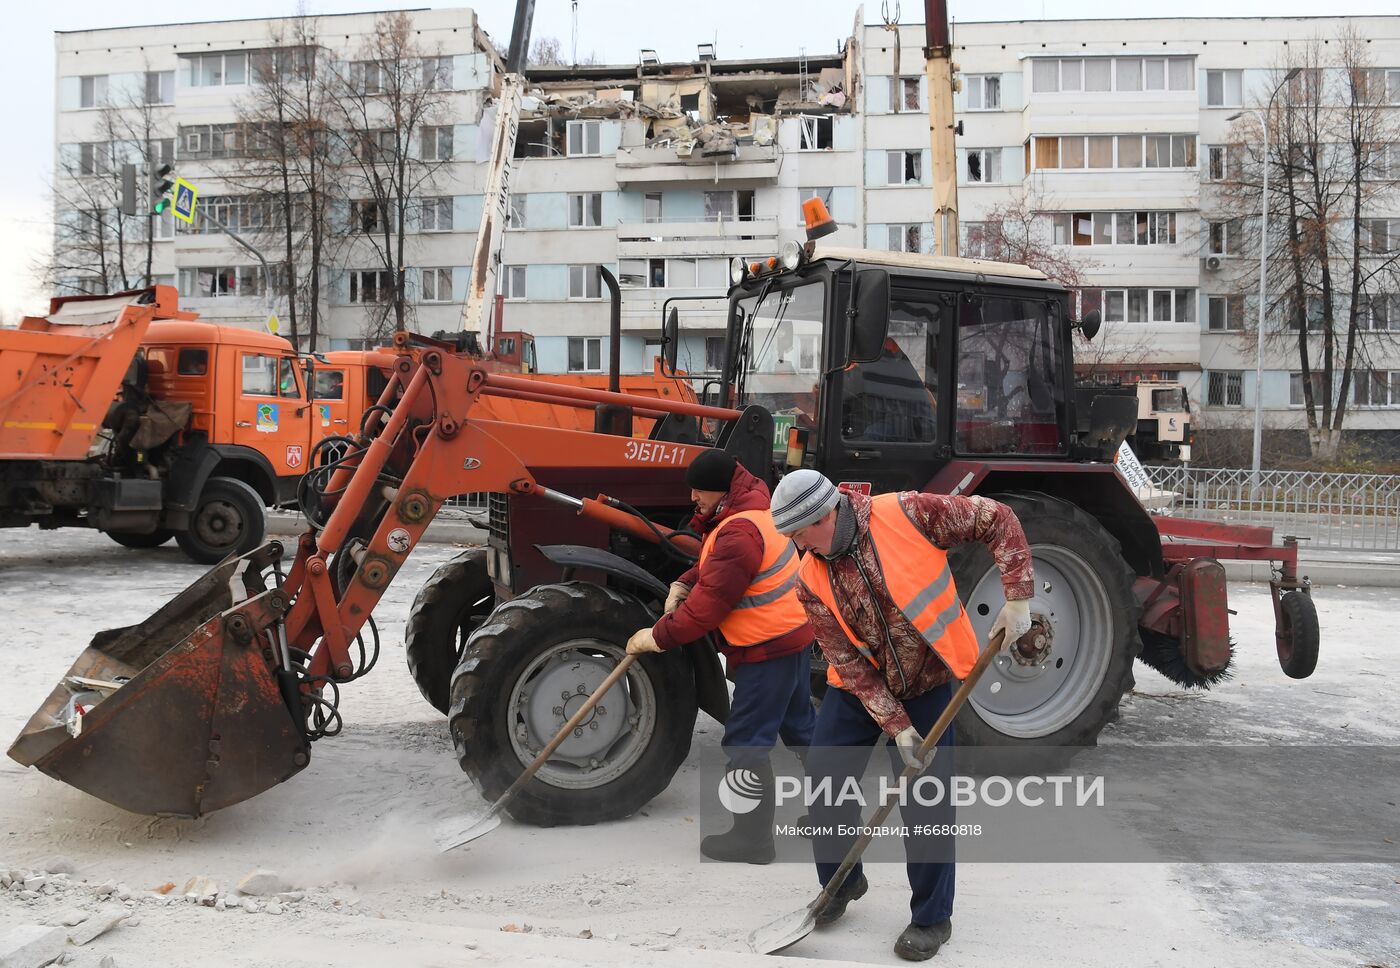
(182, 714)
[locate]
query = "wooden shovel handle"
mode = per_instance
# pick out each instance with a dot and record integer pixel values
(928, 746)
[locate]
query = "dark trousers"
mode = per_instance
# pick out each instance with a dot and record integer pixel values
(841, 746)
(772, 699)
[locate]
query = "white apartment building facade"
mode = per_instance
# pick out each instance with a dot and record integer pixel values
(663, 172)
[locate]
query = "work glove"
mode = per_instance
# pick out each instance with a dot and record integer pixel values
(679, 590)
(642, 641)
(908, 741)
(1015, 619)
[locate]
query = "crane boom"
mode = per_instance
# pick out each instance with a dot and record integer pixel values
(938, 64)
(495, 210)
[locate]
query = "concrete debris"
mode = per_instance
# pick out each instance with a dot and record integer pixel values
(107, 962)
(29, 895)
(220, 904)
(262, 883)
(250, 905)
(104, 889)
(67, 917)
(199, 888)
(273, 907)
(59, 864)
(32, 946)
(291, 896)
(99, 924)
(585, 934)
(6, 880)
(35, 882)
(671, 932)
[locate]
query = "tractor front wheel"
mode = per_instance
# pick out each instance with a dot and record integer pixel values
(449, 608)
(1064, 694)
(525, 672)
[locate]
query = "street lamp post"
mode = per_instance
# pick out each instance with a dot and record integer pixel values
(1263, 283)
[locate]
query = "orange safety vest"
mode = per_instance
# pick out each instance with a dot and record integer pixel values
(919, 582)
(769, 607)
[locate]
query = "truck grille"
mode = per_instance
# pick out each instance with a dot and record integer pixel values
(498, 519)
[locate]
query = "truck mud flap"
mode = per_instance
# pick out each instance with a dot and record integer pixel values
(180, 715)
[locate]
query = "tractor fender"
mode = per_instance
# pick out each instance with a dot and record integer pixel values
(712, 694)
(1096, 488)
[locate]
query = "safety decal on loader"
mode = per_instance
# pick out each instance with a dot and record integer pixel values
(294, 455)
(325, 409)
(267, 418)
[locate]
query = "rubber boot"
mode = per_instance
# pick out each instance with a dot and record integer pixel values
(750, 841)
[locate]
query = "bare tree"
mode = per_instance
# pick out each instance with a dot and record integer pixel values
(394, 137)
(546, 52)
(1019, 231)
(1329, 155)
(286, 117)
(97, 247)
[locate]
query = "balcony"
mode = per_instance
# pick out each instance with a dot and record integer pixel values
(641, 309)
(667, 164)
(694, 237)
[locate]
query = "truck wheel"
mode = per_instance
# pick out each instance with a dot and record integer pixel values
(526, 670)
(1083, 587)
(130, 539)
(229, 519)
(450, 606)
(1298, 635)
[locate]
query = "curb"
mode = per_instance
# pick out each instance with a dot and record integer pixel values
(1353, 574)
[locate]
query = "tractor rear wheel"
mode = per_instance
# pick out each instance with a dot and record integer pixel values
(450, 606)
(229, 519)
(530, 666)
(1064, 696)
(131, 539)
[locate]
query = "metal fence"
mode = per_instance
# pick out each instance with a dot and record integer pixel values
(1358, 512)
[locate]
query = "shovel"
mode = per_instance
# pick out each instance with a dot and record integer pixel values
(792, 928)
(492, 818)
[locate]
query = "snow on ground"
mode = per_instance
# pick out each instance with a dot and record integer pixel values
(353, 831)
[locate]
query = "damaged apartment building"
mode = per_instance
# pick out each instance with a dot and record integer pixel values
(664, 172)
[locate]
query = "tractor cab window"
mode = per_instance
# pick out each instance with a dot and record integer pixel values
(1009, 395)
(778, 362)
(893, 398)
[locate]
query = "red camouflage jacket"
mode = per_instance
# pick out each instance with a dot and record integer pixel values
(913, 668)
(714, 590)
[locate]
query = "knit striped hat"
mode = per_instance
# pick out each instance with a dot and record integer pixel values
(803, 497)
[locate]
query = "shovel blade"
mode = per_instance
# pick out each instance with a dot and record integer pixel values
(451, 834)
(783, 932)
(198, 722)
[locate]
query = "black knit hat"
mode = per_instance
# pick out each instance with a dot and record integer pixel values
(711, 471)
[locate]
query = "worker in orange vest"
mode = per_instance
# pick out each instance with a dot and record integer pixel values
(876, 585)
(743, 586)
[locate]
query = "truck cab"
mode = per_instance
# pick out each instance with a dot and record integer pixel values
(249, 398)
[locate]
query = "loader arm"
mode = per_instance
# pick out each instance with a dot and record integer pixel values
(238, 679)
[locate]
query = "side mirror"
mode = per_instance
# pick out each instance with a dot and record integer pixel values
(671, 339)
(1090, 323)
(865, 339)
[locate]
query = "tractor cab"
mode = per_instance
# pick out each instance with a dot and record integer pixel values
(880, 367)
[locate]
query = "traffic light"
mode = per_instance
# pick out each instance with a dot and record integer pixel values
(161, 182)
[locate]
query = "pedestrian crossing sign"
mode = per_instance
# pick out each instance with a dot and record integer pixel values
(186, 196)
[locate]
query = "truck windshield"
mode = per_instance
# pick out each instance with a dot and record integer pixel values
(1010, 398)
(777, 361)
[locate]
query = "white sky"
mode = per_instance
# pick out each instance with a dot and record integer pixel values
(614, 29)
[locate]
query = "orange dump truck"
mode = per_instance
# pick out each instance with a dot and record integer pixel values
(125, 414)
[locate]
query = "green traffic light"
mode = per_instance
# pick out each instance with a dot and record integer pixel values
(160, 206)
